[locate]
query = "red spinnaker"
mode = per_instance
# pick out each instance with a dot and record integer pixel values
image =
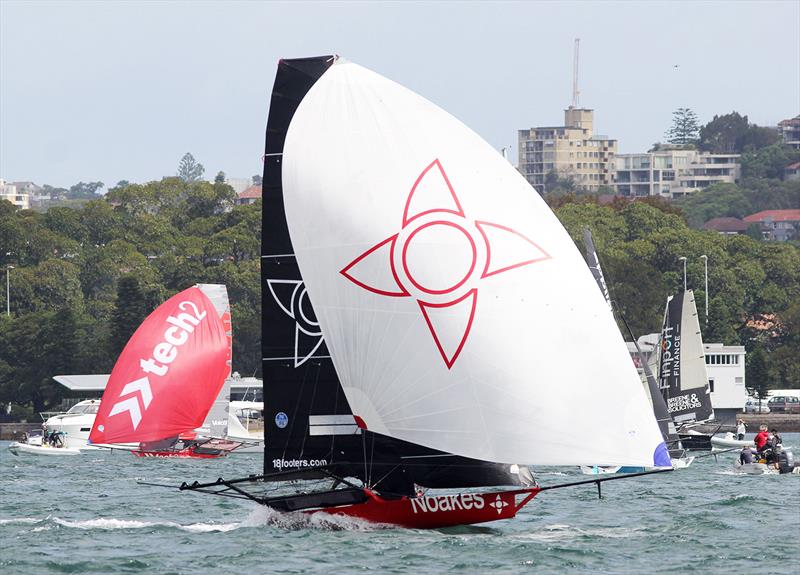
(168, 375)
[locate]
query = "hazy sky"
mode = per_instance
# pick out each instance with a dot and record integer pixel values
(121, 90)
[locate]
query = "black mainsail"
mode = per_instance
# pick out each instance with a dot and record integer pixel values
(682, 368)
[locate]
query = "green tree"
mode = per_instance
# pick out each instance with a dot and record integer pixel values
(256, 180)
(85, 190)
(757, 371)
(685, 129)
(723, 134)
(768, 162)
(129, 312)
(189, 170)
(757, 137)
(219, 178)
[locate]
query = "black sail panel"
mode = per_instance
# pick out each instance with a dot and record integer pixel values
(687, 394)
(308, 420)
(299, 378)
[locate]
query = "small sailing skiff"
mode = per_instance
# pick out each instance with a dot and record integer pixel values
(411, 278)
(173, 373)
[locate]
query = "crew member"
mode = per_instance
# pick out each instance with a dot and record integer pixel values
(746, 456)
(761, 438)
(740, 430)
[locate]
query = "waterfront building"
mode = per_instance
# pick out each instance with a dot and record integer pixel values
(672, 173)
(725, 367)
(9, 191)
(570, 151)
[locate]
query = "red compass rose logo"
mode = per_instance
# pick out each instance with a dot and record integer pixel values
(439, 257)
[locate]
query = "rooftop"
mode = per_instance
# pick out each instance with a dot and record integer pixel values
(725, 225)
(251, 192)
(774, 215)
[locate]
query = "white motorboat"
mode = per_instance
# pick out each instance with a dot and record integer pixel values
(728, 441)
(35, 446)
(76, 423)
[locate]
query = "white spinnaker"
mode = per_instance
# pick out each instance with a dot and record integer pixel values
(543, 376)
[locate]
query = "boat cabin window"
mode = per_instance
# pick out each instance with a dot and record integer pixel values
(86, 408)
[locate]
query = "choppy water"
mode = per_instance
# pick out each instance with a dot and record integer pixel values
(88, 514)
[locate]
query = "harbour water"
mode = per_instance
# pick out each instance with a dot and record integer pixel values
(90, 514)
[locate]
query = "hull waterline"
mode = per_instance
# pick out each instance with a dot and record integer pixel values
(438, 511)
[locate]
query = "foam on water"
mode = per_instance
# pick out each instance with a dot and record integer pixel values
(564, 532)
(19, 520)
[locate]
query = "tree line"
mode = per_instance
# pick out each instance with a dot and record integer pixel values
(84, 277)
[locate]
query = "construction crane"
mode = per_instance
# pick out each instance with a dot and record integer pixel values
(575, 91)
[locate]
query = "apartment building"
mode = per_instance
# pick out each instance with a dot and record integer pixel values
(10, 192)
(571, 151)
(672, 173)
(790, 131)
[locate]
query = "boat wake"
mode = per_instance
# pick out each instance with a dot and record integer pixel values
(259, 517)
(19, 520)
(563, 532)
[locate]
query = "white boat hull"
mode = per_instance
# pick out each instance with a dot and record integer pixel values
(729, 442)
(18, 448)
(681, 463)
(754, 469)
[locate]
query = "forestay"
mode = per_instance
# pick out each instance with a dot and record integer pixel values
(458, 312)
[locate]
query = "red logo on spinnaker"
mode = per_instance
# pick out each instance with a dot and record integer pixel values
(444, 284)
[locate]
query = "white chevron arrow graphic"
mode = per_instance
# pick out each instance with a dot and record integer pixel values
(131, 405)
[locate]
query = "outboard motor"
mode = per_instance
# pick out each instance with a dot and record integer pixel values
(786, 461)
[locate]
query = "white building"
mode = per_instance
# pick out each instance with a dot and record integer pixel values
(12, 194)
(672, 173)
(238, 184)
(725, 367)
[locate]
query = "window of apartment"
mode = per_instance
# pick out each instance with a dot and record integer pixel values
(711, 385)
(668, 175)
